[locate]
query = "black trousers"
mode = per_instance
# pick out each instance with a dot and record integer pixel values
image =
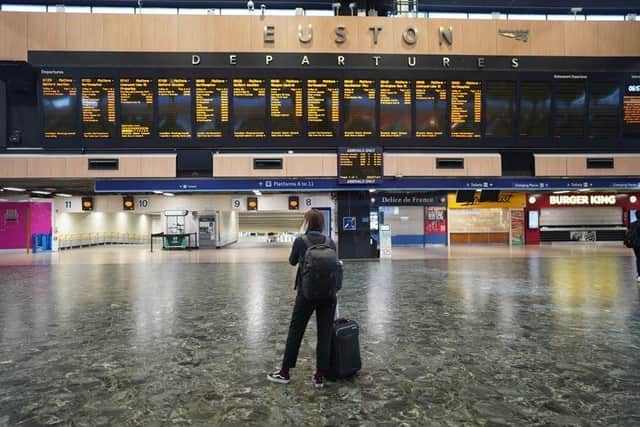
(637, 252)
(302, 311)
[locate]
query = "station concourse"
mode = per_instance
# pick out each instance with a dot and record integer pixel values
(478, 168)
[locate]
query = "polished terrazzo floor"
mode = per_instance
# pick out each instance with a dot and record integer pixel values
(117, 336)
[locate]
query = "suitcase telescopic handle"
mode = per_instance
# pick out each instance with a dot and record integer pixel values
(337, 311)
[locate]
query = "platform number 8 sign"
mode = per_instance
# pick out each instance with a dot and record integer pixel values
(308, 202)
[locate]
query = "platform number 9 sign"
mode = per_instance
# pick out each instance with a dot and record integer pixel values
(236, 203)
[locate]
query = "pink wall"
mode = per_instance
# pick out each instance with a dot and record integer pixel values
(13, 233)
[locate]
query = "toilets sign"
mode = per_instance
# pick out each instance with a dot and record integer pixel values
(583, 200)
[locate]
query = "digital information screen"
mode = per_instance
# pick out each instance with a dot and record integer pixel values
(98, 108)
(431, 108)
(174, 108)
(60, 107)
(500, 105)
(466, 109)
(395, 108)
(249, 108)
(571, 110)
(631, 116)
(360, 165)
(136, 108)
(359, 101)
(323, 108)
(604, 100)
(212, 107)
(535, 109)
(286, 108)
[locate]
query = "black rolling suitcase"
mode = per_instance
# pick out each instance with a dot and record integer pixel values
(345, 348)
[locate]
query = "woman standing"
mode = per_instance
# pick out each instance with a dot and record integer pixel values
(304, 307)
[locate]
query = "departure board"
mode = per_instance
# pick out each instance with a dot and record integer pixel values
(212, 107)
(395, 108)
(98, 108)
(60, 107)
(174, 108)
(323, 108)
(571, 110)
(535, 109)
(631, 116)
(286, 108)
(466, 109)
(604, 100)
(500, 105)
(361, 165)
(249, 108)
(136, 107)
(431, 108)
(359, 101)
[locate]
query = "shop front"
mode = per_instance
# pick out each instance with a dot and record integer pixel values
(414, 219)
(579, 217)
(478, 219)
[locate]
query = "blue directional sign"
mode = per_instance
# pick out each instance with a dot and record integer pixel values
(210, 185)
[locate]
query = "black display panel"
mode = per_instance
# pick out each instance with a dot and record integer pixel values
(631, 115)
(323, 108)
(286, 108)
(211, 107)
(362, 165)
(174, 108)
(535, 109)
(604, 100)
(431, 108)
(500, 109)
(395, 108)
(60, 107)
(249, 108)
(136, 107)
(570, 110)
(98, 108)
(466, 109)
(359, 103)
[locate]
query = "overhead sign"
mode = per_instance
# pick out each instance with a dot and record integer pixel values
(582, 200)
(505, 200)
(411, 199)
(189, 185)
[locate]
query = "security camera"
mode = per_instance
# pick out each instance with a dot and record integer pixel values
(353, 6)
(336, 8)
(250, 6)
(262, 9)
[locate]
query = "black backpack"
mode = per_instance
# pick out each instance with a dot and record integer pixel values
(631, 237)
(320, 271)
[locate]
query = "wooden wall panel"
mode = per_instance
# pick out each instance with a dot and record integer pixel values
(13, 36)
(46, 166)
(171, 33)
(483, 165)
(159, 33)
(84, 32)
(47, 31)
(546, 38)
(197, 34)
(550, 166)
(581, 38)
(293, 165)
(409, 164)
(157, 166)
(122, 33)
(13, 167)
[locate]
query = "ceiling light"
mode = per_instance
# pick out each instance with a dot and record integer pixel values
(63, 195)
(44, 193)
(169, 194)
(257, 192)
(49, 189)
(14, 189)
(157, 192)
(561, 192)
(372, 190)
